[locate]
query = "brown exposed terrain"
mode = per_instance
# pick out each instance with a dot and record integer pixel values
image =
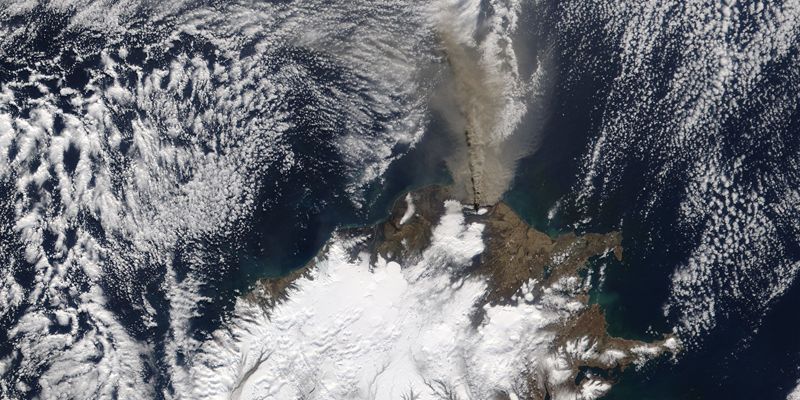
(394, 240)
(516, 252)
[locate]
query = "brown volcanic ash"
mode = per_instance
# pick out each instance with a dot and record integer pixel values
(479, 105)
(473, 102)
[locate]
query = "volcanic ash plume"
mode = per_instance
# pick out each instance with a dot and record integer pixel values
(484, 99)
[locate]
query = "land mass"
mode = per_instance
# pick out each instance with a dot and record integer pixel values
(520, 265)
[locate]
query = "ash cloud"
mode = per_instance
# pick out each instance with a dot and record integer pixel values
(487, 103)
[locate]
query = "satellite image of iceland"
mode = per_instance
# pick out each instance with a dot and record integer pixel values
(400, 199)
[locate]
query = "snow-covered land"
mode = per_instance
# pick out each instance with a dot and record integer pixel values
(351, 329)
